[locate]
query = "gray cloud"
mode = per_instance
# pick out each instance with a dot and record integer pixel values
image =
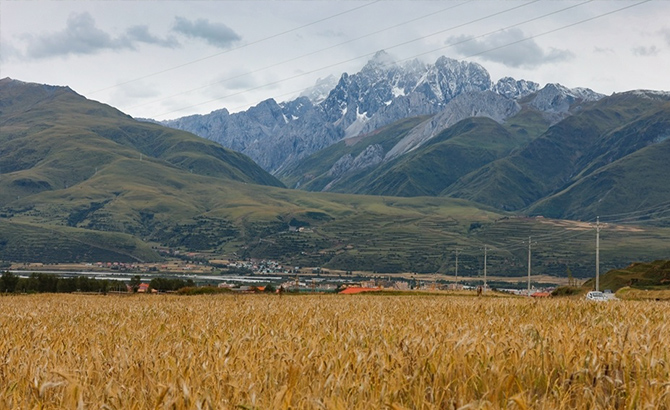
(7, 51)
(216, 34)
(81, 36)
(666, 33)
(517, 54)
(645, 51)
(141, 34)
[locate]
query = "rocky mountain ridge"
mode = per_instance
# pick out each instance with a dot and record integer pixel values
(277, 135)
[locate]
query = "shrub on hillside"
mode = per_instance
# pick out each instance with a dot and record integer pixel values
(567, 291)
(202, 290)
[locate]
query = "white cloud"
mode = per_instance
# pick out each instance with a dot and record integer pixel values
(215, 34)
(508, 47)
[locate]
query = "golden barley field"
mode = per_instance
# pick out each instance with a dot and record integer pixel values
(331, 352)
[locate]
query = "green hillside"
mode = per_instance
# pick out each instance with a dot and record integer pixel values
(639, 275)
(80, 181)
(635, 184)
(576, 149)
(53, 138)
(428, 170)
(52, 243)
(312, 172)
(68, 162)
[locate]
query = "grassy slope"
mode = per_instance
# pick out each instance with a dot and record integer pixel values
(53, 138)
(548, 163)
(626, 173)
(105, 215)
(311, 173)
(429, 170)
(456, 151)
(633, 183)
(653, 275)
(49, 243)
(349, 232)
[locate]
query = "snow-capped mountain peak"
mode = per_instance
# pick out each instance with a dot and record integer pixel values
(384, 91)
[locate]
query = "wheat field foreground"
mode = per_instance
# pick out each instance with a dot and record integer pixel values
(331, 352)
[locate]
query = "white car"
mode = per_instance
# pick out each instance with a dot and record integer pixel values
(597, 296)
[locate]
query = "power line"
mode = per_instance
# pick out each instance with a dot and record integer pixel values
(433, 50)
(557, 29)
(499, 30)
(355, 58)
(306, 55)
(236, 48)
(409, 42)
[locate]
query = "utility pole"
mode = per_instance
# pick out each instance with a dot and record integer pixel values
(597, 253)
(529, 245)
(485, 249)
(456, 266)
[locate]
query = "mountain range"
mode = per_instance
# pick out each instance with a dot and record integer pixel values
(436, 157)
(278, 135)
(445, 129)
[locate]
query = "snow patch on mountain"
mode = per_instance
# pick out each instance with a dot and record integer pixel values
(319, 91)
(652, 94)
(278, 135)
(515, 89)
(555, 100)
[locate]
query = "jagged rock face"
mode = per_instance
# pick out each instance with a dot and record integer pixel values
(347, 164)
(475, 104)
(249, 131)
(359, 97)
(555, 100)
(341, 166)
(276, 136)
(511, 88)
(404, 106)
(319, 92)
(370, 156)
(449, 78)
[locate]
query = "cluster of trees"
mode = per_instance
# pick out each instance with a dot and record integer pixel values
(50, 283)
(166, 284)
(45, 282)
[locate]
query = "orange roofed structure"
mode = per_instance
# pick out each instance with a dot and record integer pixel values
(354, 289)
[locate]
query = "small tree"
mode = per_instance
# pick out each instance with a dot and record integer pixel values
(8, 282)
(135, 282)
(571, 280)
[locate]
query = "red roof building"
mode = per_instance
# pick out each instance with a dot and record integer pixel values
(354, 289)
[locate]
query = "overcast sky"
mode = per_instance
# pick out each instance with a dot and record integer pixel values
(167, 59)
